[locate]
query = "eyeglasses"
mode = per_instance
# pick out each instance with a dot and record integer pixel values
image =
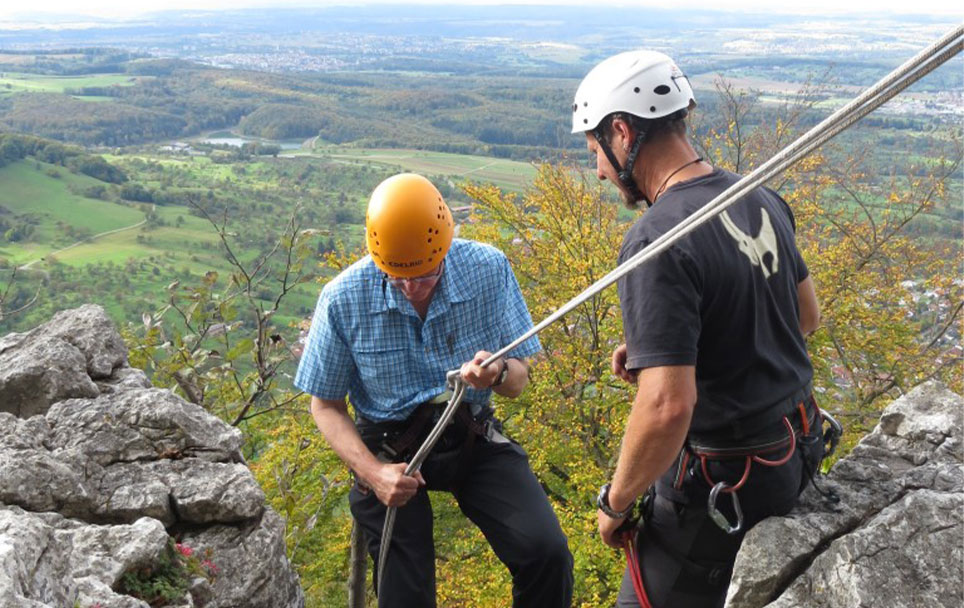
(420, 280)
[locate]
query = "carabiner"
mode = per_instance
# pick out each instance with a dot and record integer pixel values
(832, 434)
(717, 517)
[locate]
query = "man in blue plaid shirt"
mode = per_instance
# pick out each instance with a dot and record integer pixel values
(384, 333)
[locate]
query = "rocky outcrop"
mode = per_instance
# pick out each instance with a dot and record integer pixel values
(99, 470)
(893, 539)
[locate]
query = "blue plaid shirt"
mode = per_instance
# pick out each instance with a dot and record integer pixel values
(367, 341)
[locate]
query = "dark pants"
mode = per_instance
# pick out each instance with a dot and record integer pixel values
(686, 560)
(498, 492)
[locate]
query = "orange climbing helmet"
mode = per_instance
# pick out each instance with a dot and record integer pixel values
(408, 227)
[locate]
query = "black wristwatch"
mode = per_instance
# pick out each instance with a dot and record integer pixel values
(602, 501)
(503, 374)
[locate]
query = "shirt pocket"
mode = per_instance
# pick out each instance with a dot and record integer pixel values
(471, 340)
(383, 370)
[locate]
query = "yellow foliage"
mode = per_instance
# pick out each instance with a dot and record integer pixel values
(561, 237)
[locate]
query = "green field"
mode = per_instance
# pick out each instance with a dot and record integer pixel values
(30, 188)
(15, 82)
(507, 174)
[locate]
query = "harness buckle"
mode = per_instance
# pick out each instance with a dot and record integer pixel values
(491, 432)
(718, 518)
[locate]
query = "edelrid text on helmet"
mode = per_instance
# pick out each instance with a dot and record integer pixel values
(642, 83)
(408, 227)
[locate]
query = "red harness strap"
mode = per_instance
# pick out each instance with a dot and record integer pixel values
(750, 459)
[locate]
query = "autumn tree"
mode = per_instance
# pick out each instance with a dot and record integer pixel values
(560, 236)
(215, 342)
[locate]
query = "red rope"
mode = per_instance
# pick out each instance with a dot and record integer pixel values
(635, 575)
(729, 489)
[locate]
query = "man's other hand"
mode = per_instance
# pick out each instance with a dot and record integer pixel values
(619, 365)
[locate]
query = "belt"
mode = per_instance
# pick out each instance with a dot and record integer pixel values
(803, 418)
(759, 428)
(398, 440)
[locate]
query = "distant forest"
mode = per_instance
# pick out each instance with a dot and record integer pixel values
(520, 118)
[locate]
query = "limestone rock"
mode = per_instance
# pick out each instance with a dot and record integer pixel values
(98, 470)
(139, 425)
(246, 556)
(90, 331)
(41, 372)
(894, 539)
(58, 360)
(45, 557)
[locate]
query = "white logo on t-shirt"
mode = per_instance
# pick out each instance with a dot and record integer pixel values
(755, 248)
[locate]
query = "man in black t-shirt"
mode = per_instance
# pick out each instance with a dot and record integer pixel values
(714, 331)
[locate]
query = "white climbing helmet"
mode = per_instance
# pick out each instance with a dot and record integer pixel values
(643, 83)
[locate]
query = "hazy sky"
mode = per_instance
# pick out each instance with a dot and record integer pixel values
(13, 10)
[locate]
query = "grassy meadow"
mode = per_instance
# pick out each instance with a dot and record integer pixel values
(22, 82)
(151, 244)
(507, 174)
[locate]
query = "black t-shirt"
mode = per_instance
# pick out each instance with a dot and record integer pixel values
(722, 298)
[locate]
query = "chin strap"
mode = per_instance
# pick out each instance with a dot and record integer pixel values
(625, 174)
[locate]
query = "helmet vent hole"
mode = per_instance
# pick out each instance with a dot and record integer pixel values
(430, 230)
(652, 108)
(661, 90)
(585, 121)
(436, 231)
(439, 216)
(430, 259)
(635, 89)
(429, 239)
(377, 244)
(374, 234)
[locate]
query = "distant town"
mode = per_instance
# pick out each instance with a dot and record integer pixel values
(774, 53)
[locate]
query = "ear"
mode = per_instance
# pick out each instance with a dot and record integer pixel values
(623, 130)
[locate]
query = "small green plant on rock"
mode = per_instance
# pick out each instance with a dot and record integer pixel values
(170, 578)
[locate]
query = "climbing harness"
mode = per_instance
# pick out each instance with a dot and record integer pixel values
(907, 74)
(752, 454)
